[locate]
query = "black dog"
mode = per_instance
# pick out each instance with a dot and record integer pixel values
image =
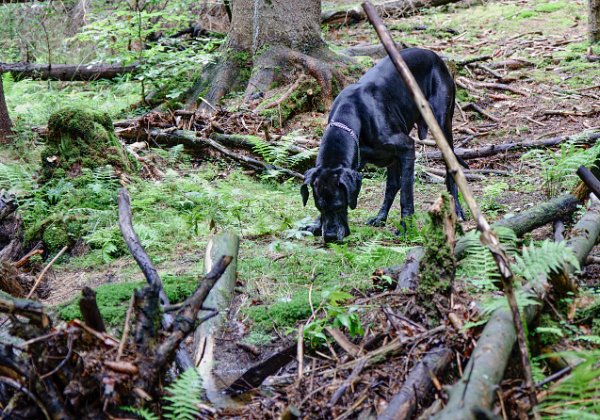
(370, 122)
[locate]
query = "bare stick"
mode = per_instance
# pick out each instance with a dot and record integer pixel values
(184, 360)
(300, 352)
(44, 271)
(488, 237)
(125, 328)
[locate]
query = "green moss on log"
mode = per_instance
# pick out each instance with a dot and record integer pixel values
(438, 265)
(82, 138)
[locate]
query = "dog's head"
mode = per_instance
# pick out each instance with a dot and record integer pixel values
(334, 190)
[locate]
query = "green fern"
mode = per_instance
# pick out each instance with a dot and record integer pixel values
(578, 396)
(143, 413)
(16, 179)
(279, 153)
(183, 401)
(539, 261)
(185, 396)
(478, 267)
(560, 167)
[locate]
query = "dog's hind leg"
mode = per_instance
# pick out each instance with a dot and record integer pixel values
(392, 186)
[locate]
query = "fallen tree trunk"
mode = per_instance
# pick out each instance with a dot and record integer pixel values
(477, 390)
(418, 385)
(65, 72)
(395, 8)
(494, 149)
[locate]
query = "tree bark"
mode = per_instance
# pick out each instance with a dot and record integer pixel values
(5, 122)
(65, 72)
(594, 21)
(274, 38)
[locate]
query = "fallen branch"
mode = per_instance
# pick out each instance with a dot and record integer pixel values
(494, 149)
(184, 361)
(417, 385)
(65, 72)
(396, 8)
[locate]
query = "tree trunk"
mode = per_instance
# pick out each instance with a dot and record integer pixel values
(274, 38)
(594, 20)
(5, 123)
(65, 72)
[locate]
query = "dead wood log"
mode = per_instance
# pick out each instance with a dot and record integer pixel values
(395, 8)
(219, 299)
(584, 236)
(184, 360)
(255, 376)
(34, 311)
(477, 390)
(588, 178)
(559, 208)
(404, 276)
(65, 72)
(417, 385)
(11, 228)
(89, 310)
(190, 140)
(438, 264)
(494, 149)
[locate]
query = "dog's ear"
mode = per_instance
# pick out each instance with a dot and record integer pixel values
(308, 177)
(351, 181)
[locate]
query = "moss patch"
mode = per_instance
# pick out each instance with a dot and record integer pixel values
(113, 298)
(81, 138)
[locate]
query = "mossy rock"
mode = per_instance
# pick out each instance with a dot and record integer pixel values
(82, 138)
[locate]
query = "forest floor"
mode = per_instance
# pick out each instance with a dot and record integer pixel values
(284, 274)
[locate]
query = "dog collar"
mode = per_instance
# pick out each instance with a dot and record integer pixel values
(349, 131)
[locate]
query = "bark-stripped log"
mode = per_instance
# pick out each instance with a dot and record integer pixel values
(418, 385)
(494, 149)
(65, 72)
(218, 299)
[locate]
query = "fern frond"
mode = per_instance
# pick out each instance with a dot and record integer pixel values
(143, 413)
(539, 261)
(16, 179)
(578, 396)
(185, 396)
(478, 267)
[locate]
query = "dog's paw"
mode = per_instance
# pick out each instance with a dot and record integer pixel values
(312, 228)
(376, 221)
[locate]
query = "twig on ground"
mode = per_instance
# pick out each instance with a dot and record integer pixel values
(44, 271)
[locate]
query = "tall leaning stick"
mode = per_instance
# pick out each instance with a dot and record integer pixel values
(488, 237)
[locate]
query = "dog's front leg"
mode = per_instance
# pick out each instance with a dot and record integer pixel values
(392, 186)
(407, 185)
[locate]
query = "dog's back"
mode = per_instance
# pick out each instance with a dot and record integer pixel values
(383, 102)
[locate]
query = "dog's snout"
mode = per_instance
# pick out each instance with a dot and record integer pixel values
(329, 238)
